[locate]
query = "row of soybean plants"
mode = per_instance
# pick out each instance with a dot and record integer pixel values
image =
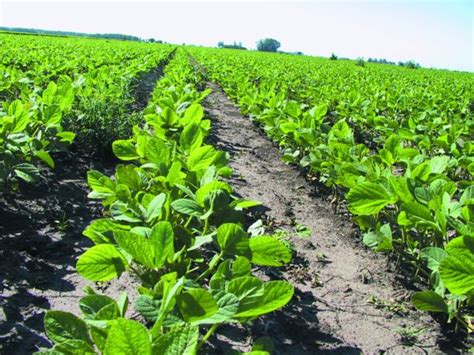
(57, 90)
(172, 222)
(396, 143)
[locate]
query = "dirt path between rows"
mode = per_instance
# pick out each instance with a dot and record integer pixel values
(334, 277)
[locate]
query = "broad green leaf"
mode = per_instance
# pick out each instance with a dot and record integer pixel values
(154, 208)
(203, 192)
(196, 305)
(228, 305)
(434, 257)
(66, 136)
(457, 270)
(101, 185)
(193, 114)
(62, 326)
(276, 294)
(90, 305)
(148, 307)
(128, 175)
(101, 263)
(162, 242)
(232, 239)
(380, 239)
(125, 150)
(128, 337)
(369, 198)
(45, 157)
(429, 301)
(269, 251)
(187, 207)
(201, 158)
(74, 346)
(467, 197)
(138, 246)
(248, 289)
(179, 340)
(439, 164)
(27, 172)
(244, 204)
(191, 137)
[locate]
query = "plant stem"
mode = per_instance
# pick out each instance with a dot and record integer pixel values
(206, 225)
(207, 335)
(211, 267)
(188, 221)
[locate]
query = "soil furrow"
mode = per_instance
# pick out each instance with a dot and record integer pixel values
(345, 301)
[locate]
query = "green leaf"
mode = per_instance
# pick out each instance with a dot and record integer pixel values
(196, 305)
(380, 240)
(439, 164)
(276, 294)
(369, 198)
(125, 150)
(191, 137)
(128, 337)
(417, 214)
(248, 289)
(232, 239)
(269, 251)
(187, 207)
(62, 326)
(138, 246)
(128, 175)
(203, 192)
(201, 158)
(90, 305)
(148, 307)
(429, 301)
(228, 305)
(434, 257)
(27, 172)
(244, 204)
(101, 263)
(74, 346)
(45, 157)
(154, 208)
(457, 270)
(122, 303)
(193, 114)
(66, 136)
(467, 197)
(162, 241)
(179, 340)
(101, 185)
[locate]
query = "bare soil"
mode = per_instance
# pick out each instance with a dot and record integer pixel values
(346, 300)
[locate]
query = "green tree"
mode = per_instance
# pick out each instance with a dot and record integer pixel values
(268, 45)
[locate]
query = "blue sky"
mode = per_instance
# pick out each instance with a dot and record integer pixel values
(434, 33)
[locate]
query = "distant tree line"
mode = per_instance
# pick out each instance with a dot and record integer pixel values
(235, 45)
(268, 45)
(118, 36)
(409, 64)
(360, 62)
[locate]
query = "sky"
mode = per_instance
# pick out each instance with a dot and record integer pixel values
(433, 33)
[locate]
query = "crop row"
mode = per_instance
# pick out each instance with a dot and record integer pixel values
(396, 144)
(55, 91)
(172, 222)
